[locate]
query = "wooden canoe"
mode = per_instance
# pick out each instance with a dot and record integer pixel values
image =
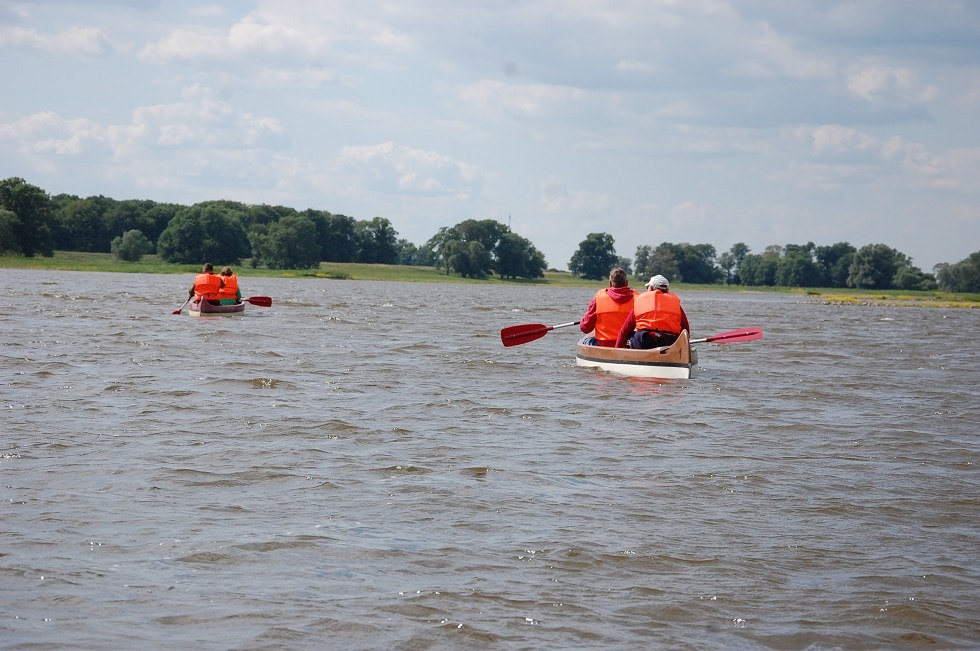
(204, 308)
(676, 361)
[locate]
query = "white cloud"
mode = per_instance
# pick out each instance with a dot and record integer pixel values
(74, 41)
(399, 168)
(556, 198)
(881, 83)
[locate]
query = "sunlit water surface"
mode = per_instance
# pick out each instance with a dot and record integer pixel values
(364, 466)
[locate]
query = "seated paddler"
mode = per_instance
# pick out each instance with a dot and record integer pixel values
(229, 294)
(207, 285)
(656, 320)
(607, 310)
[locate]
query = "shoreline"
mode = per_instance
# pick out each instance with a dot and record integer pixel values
(106, 262)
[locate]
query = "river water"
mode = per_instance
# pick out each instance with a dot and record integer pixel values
(364, 466)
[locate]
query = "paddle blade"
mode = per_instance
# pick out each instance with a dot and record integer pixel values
(261, 301)
(178, 310)
(521, 334)
(732, 336)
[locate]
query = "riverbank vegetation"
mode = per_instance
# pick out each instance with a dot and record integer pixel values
(151, 264)
(278, 240)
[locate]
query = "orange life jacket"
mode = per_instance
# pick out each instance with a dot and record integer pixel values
(610, 317)
(658, 311)
(230, 290)
(207, 285)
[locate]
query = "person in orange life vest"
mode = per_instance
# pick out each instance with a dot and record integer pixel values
(656, 320)
(608, 309)
(207, 284)
(229, 294)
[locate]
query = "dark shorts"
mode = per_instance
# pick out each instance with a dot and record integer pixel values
(651, 339)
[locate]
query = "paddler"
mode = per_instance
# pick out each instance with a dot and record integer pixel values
(608, 309)
(656, 320)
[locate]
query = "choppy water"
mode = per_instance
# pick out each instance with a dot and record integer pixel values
(364, 466)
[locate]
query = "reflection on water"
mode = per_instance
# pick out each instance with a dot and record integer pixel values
(364, 463)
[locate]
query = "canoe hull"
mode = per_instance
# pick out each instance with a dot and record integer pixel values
(674, 362)
(203, 308)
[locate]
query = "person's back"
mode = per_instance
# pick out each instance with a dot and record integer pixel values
(207, 284)
(229, 294)
(608, 310)
(657, 318)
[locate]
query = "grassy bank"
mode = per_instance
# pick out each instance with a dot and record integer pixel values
(76, 261)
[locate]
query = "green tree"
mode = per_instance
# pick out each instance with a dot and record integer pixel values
(290, 243)
(797, 269)
(82, 226)
(516, 257)
(663, 261)
(32, 206)
(471, 259)
(203, 232)
(962, 276)
(131, 246)
(376, 242)
(595, 257)
(642, 261)
(835, 263)
(759, 269)
(8, 232)
(874, 266)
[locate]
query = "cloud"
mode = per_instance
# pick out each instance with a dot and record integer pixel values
(896, 84)
(556, 197)
(74, 41)
(396, 168)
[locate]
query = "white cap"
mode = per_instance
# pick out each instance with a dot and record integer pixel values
(658, 281)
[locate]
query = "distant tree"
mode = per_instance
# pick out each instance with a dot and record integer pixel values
(376, 242)
(835, 262)
(963, 276)
(663, 261)
(471, 259)
(874, 266)
(204, 232)
(148, 217)
(738, 251)
(731, 261)
(595, 257)
(759, 269)
(726, 261)
(290, 243)
(32, 206)
(797, 269)
(642, 261)
(407, 252)
(516, 257)
(131, 246)
(336, 236)
(82, 225)
(8, 230)
(909, 277)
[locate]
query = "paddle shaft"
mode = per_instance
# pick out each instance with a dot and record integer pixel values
(732, 336)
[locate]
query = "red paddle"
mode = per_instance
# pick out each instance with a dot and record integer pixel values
(521, 334)
(261, 301)
(179, 309)
(730, 337)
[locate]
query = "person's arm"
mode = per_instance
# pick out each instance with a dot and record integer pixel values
(629, 326)
(587, 322)
(684, 324)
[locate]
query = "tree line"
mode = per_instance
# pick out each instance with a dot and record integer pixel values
(873, 266)
(35, 223)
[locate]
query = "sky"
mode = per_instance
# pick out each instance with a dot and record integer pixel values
(765, 122)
